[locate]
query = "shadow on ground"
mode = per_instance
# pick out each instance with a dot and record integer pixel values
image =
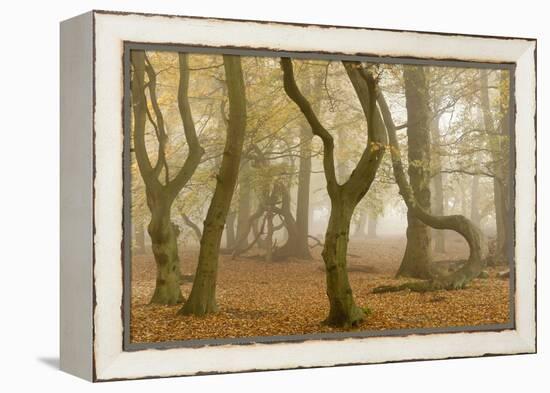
(52, 362)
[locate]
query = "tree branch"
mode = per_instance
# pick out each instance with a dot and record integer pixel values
(139, 104)
(195, 150)
(292, 90)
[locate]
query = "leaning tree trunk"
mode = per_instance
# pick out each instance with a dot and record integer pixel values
(202, 299)
(417, 258)
(458, 223)
(344, 197)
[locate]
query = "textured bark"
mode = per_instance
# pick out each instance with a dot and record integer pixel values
(160, 196)
(164, 238)
(202, 299)
(458, 223)
(343, 310)
(344, 197)
(417, 258)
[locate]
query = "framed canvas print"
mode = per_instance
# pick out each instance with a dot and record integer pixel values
(246, 195)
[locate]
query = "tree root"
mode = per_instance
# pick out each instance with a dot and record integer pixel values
(414, 286)
(477, 243)
(458, 280)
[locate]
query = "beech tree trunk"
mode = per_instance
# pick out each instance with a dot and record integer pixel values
(164, 238)
(343, 310)
(202, 299)
(194, 227)
(458, 223)
(161, 195)
(253, 224)
(344, 197)
(417, 258)
(292, 247)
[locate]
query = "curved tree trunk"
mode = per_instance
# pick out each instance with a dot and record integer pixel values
(194, 227)
(417, 258)
(160, 196)
(252, 224)
(202, 299)
(292, 246)
(345, 197)
(458, 223)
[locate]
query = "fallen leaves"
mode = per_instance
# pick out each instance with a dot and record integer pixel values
(257, 298)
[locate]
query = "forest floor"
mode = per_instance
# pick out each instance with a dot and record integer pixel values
(257, 298)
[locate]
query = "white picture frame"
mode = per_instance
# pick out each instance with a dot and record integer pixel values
(92, 277)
